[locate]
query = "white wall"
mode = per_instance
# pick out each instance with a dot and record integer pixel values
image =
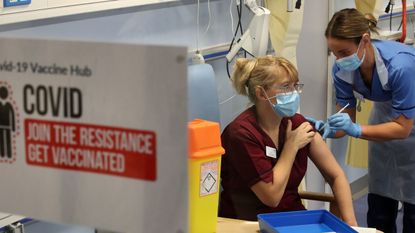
(312, 67)
(171, 24)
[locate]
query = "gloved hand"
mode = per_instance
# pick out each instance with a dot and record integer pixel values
(342, 121)
(318, 124)
(326, 131)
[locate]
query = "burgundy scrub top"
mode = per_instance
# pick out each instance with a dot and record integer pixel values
(245, 163)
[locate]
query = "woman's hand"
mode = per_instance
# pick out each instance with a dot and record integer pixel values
(299, 137)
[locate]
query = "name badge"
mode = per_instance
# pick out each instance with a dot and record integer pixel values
(271, 152)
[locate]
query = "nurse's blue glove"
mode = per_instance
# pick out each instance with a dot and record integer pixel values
(323, 128)
(318, 124)
(329, 132)
(342, 121)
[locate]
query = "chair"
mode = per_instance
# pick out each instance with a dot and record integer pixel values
(318, 196)
(325, 197)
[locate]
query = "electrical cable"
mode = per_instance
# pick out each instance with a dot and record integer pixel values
(400, 25)
(227, 69)
(238, 26)
(230, 12)
(198, 58)
(210, 18)
(403, 37)
(197, 25)
(388, 7)
(390, 18)
(240, 16)
(236, 31)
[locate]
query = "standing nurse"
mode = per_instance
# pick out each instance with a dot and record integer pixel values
(384, 72)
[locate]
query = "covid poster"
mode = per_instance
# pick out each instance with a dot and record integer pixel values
(94, 134)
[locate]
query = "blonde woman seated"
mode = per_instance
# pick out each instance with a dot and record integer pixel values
(268, 144)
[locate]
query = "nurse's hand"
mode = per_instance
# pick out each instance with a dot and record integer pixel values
(318, 124)
(342, 121)
(323, 128)
(328, 132)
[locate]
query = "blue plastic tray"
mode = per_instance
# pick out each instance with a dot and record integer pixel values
(304, 221)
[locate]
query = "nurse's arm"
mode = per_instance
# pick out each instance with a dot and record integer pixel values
(334, 175)
(398, 128)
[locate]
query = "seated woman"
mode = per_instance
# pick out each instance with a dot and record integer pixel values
(267, 146)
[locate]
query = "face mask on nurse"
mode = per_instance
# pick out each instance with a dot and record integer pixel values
(352, 62)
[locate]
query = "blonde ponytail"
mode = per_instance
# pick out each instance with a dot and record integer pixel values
(249, 74)
(241, 74)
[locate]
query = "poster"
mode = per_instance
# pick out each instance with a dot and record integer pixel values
(94, 134)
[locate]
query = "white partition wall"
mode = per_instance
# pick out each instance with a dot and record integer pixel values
(89, 137)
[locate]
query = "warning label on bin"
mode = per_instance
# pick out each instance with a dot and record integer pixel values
(209, 178)
(91, 148)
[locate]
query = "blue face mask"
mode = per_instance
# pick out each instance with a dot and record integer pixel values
(352, 62)
(287, 103)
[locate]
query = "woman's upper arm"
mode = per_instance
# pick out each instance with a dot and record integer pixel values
(324, 160)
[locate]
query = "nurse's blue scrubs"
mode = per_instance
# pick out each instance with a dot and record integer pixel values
(391, 163)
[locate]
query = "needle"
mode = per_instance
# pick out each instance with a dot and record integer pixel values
(341, 110)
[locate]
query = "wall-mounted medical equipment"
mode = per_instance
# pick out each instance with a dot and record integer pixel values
(255, 39)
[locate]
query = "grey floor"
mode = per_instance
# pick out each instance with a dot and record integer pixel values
(360, 208)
